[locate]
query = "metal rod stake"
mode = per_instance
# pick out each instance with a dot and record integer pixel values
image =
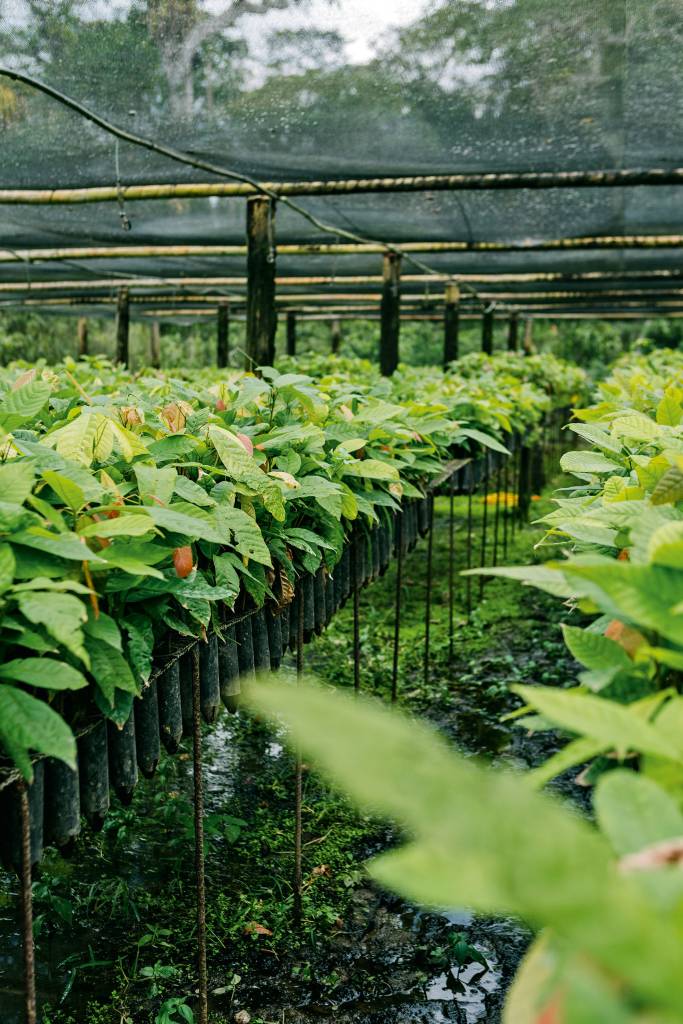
(199, 838)
(298, 785)
(484, 524)
(469, 540)
(27, 905)
(397, 613)
(451, 569)
(428, 593)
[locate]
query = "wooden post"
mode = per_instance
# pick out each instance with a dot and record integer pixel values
(529, 337)
(487, 332)
(336, 335)
(82, 336)
(513, 332)
(390, 314)
(291, 334)
(222, 335)
(122, 328)
(261, 314)
(155, 344)
(451, 323)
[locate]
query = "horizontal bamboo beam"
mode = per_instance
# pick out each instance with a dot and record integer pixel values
(467, 182)
(619, 314)
(663, 292)
(111, 252)
(484, 277)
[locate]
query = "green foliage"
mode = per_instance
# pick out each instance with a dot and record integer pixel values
(105, 476)
(488, 840)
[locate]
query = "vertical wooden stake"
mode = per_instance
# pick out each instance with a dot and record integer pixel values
(335, 336)
(122, 328)
(155, 344)
(529, 337)
(27, 905)
(261, 313)
(451, 323)
(390, 314)
(82, 336)
(222, 335)
(487, 332)
(513, 332)
(199, 838)
(291, 334)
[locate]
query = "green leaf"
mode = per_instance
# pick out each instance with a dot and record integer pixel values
(238, 463)
(540, 576)
(16, 480)
(485, 439)
(110, 670)
(192, 492)
(574, 753)
(634, 812)
(602, 720)
(63, 545)
(155, 485)
(23, 404)
(594, 650)
(65, 489)
(587, 462)
(62, 615)
(371, 469)
(46, 673)
(635, 426)
(7, 567)
(670, 410)
(246, 534)
(465, 820)
(27, 723)
(665, 546)
(140, 645)
(134, 524)
(104, 629)
(669, 487)
(188, 520)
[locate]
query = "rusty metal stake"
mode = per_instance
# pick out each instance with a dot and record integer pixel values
(298, 785)
(428, 593)
(27, 905)
(470, 490)
(506, 513)
(484, 524)
(397, 611)
(496, 519)
(355, 582)
(200, 873)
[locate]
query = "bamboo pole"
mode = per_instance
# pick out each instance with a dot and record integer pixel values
(261, 316)
(122, 328)
(222, 334)
(450, 323)
(110, 252)
(601, 178)
(135, 283)
(372, 315)
(390, 314)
